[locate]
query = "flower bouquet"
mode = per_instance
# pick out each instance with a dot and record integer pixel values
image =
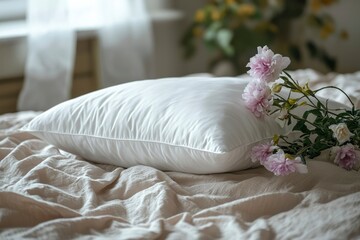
(230, 29)
(319, 126)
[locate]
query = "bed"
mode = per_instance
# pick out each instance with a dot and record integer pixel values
(47, 193)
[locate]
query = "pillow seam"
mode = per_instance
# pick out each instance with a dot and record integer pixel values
(147, 141)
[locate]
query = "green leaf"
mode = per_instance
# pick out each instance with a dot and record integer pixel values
(305, 129)
(307, 141)
(223, 38)
(211, 32)
(284, 78)
(289, 122)
(316, 112)
(299, 125)
(188, 43)
(210, 35)
(294, 9)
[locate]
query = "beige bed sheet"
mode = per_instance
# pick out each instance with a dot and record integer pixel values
(49, 194)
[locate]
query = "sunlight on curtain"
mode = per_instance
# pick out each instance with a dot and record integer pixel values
(50, 57)
(125, 44)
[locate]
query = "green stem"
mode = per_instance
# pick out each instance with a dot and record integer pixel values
(352, 104)
(296, 85)
(303, 150)
(284, 139)
(299, 118)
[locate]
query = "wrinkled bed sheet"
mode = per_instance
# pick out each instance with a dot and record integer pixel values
(46, 193)
(350, 83)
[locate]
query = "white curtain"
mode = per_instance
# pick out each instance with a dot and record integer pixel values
(50, 57)
(125, 44)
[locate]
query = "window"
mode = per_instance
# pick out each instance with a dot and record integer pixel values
(11, 10)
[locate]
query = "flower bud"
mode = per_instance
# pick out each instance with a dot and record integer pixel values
(306, 89)
(303, 103)
(276, 88)
(276, 139)
(292, 101)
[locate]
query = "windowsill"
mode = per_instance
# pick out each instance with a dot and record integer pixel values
(14, 30)
(13, 41)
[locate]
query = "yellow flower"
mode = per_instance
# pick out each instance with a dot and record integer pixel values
(199, 16)
(315, 5)
(246, 10)
(230, 2)
(326, 30)
(215, 14)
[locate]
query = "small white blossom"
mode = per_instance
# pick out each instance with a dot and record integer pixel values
(282, 119)
(341, 132)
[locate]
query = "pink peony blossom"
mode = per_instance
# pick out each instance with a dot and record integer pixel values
(346, 156)
(281, 165)
(257, 97)
(266, 65)
(262, 151)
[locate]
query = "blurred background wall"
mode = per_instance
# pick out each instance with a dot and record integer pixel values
(170, 20)
(339, 17)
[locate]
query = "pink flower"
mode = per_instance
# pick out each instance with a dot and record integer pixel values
(266, 66)
(346, 156)
(257, 97)
(262, 151)
(281, 165)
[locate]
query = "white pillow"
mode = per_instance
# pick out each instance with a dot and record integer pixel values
(194, 124)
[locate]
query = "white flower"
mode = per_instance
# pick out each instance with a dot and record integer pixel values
(282, 119)
(341, 132)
